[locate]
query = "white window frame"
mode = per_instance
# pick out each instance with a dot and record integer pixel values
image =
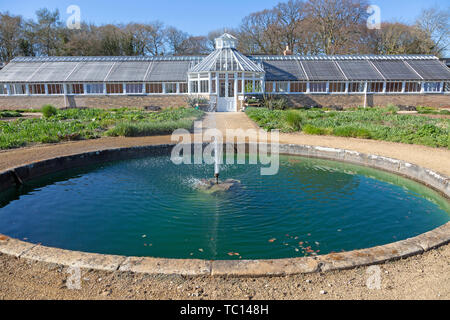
(312, 89)
(98, 85)
(24, 86)
(38, 84)
(412, 83)
(55, 94)
(5, 91)
(395, 83)
(133, 86)
(291, 83)
(70, 87)
(361, 86)
(369, 85)
(437, 89)
(279, 87)
(340, 83)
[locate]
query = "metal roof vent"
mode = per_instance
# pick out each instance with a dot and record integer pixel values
(226, 41)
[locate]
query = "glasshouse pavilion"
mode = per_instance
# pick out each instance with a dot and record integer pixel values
(224, 78)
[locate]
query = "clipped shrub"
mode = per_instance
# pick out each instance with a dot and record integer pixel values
(49, 111)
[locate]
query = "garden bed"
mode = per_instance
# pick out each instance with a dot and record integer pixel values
(371, 123)
(80, 124)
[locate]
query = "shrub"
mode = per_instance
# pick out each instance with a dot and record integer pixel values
(294, 120)
(195, 102)
(313, 130)
(10, 114)
(49, 111)
(352, 132)
(272, 103)
(392, 109)
(131, 129)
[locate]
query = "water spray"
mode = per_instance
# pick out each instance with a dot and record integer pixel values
(216, 160)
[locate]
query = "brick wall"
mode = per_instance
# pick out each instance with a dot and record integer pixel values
(378, 100)
(36, 102)
(164, 101)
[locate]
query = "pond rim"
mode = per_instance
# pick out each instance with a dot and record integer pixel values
(241, 268)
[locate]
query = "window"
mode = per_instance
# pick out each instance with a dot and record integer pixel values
(375, 87)
(394, 86)
(318, 87)
(413, 87)
(55, 89)
(37, 89)
(258, 87)
(282, 86)
(248, 85)
(18, 88)
(94, 88)
(3, 89)
(356, 87)
(298, 86)
(204, 86)
(337, 87)
(114, 88)
(432, 87)
(76, 88)
(134, 88)
(447, 87)
(194, 86)
(183, 87)
(171, 87)
(154, 87)
(269, 86)
(213, 86)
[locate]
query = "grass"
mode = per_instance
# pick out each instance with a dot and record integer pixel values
(372, 123)
(76, 124)
(429, 110)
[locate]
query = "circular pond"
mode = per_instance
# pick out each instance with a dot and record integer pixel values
(151, 207)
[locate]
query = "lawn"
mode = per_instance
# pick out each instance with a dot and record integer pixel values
(80, 124)
(371, 123)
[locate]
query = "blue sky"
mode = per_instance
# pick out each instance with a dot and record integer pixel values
(195, 17)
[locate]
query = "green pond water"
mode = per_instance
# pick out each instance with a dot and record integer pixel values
(152, 207)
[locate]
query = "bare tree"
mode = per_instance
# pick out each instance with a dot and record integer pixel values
(436, 24)
(336, 22)
(10, 36)
(175, 40)
(47, 32)
(291, 16)
(259, 33)
(195, 46)
(155, 35)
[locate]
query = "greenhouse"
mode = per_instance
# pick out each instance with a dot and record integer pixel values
(224, 78)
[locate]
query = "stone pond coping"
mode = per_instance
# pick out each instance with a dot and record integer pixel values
(241, 268)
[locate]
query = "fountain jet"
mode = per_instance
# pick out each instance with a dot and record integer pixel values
(216, 161)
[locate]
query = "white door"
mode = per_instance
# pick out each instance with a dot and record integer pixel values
(226, 101)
